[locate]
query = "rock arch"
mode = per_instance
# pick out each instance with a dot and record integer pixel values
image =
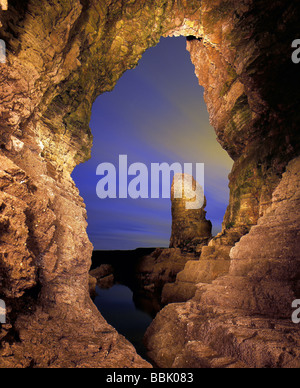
(60, 56)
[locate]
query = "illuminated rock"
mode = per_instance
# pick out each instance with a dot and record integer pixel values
(60, 56)
(190, 229)
(243, 318)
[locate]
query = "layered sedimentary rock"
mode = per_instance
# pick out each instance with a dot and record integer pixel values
(190, 228)
(242, 110)
(60, 57)
(244, 318)
(104, 276)
(161, 267)
(264, 271)
(190, 233)
(92, 286)
(214, 261)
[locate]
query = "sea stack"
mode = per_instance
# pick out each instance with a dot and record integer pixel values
(190, 228)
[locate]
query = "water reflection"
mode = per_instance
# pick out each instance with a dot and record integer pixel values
(128, 318)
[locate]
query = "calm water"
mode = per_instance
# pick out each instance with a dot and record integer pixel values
(117, 307)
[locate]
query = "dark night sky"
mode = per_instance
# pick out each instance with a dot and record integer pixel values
(155, 114)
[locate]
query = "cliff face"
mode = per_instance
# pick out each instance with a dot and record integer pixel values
(60, 57)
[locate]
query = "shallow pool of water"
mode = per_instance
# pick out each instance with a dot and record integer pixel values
(117, 307)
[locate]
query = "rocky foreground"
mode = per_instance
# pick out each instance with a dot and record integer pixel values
(242, 319)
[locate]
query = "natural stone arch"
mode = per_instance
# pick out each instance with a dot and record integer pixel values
(60, 57)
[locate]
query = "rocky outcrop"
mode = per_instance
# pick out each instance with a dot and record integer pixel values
(190, 233)
(264, 276)
(244, 317)
(190, 229)
(161, 267)
(236, 104)
(60, 57)
(51, 320)
(214, 261)
(104, 276)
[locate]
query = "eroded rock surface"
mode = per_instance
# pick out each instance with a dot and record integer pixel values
(60, 57)
(244, 317)
(190, 233)
(214, 261)
(190, 229)
(104, 276)
(161, 267)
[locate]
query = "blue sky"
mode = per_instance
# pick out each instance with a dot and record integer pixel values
(155, 114)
